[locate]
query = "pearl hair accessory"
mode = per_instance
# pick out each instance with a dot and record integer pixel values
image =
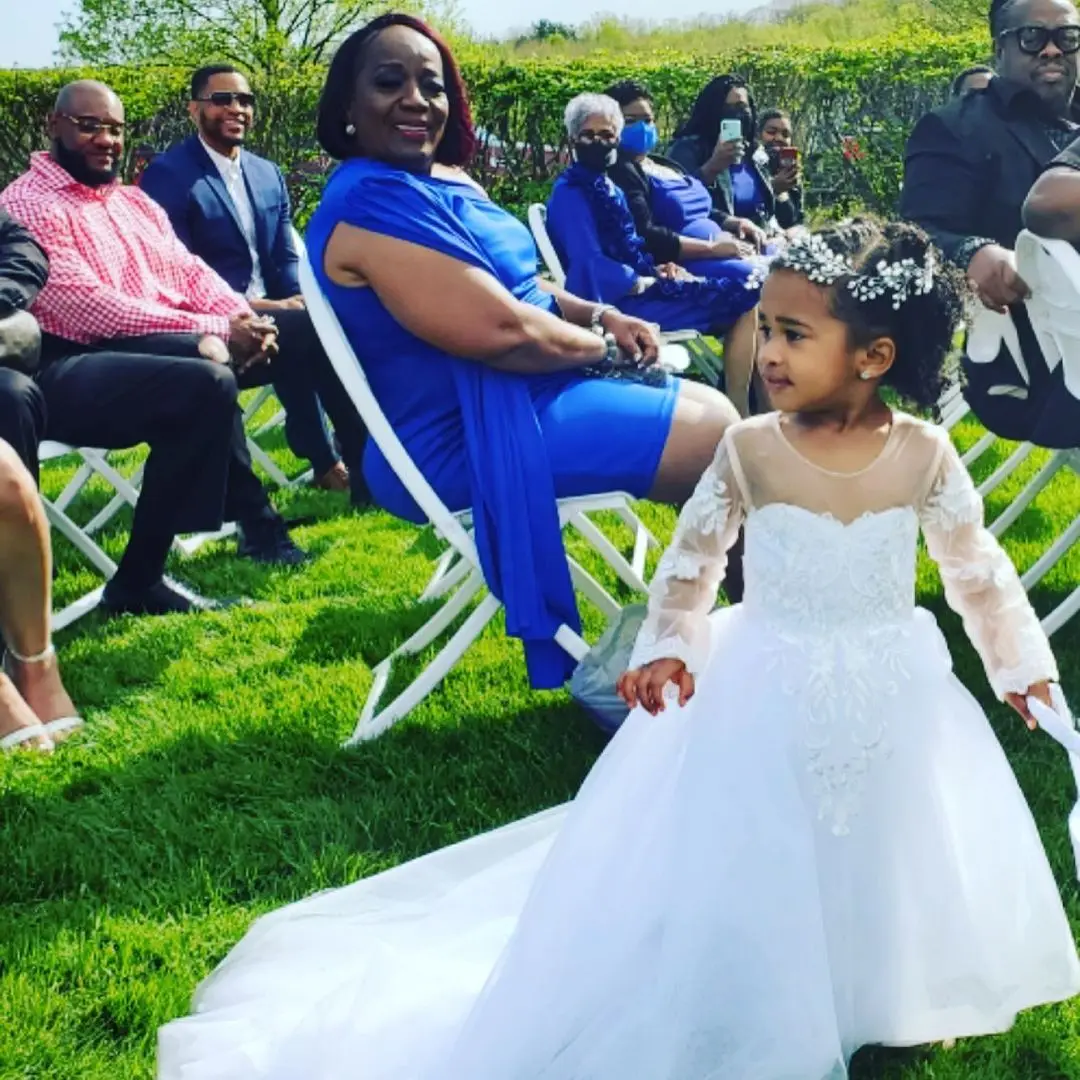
(350, 129)
(901, 280)
(813, 258)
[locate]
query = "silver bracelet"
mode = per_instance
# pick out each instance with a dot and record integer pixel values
(596, 321)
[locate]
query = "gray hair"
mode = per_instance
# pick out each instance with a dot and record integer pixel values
(585, 105)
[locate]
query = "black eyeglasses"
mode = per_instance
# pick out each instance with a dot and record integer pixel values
(224, 98)
(91, 125)
(1033, 39)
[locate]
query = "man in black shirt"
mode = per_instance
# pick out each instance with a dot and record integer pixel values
(969, 167)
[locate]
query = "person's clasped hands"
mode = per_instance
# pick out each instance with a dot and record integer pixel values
(638, 340)
(252, 340)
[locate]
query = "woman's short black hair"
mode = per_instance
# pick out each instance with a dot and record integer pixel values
(628, 90)
(772, 114)
(924, 325)
(459, 139)
(958, 82)
(705, 116)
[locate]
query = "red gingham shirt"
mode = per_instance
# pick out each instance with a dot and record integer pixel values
(116, 268)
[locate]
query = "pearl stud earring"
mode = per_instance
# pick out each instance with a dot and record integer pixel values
(350, 129)
(865, 375)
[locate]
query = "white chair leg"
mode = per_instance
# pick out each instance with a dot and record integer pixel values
(371, 723)
(1027, 496)
(1051, 557)
(77, 609)
(1006, 469)
(592, 590)
(608, 552)
(78, 538)
(270, 467)
(1066, 610)
(975, 452)
(73, 487)
(573, 643)
(449, 571)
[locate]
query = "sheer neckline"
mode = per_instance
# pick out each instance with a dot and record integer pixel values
(878, 457)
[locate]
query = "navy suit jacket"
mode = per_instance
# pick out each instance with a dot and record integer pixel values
(187, 184)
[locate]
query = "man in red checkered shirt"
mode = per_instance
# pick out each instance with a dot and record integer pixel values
(143, 342)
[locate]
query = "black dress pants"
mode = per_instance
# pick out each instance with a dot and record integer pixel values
(22, 416)
(302, 363)
(157, 390)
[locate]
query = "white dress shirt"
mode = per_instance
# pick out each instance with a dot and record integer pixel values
(233, 175)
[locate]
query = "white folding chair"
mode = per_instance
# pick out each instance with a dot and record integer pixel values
(459, 568)
(61, 521)
(704, 359)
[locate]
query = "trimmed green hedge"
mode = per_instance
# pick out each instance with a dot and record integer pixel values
(852, 106)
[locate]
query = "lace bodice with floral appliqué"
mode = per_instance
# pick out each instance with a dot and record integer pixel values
(830, 567)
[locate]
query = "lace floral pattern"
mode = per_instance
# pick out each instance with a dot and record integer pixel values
(684, 589)
(981, 583)
(839, 600)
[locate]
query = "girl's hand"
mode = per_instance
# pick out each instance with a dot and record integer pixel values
(787, 179)
(645, 686)
(1041, 692)
(636, 338)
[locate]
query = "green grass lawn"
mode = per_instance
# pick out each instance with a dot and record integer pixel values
(211, 786)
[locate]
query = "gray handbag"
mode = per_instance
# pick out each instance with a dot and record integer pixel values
(20, 342)
(593, 683)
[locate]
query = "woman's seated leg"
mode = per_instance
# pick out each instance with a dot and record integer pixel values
(33, 692)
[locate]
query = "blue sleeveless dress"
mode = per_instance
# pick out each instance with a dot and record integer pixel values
(683, 204)
(505, 445)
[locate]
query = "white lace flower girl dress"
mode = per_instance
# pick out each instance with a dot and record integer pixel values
(825, 848)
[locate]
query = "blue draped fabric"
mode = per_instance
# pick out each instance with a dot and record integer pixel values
(746, 191)
(513, 493)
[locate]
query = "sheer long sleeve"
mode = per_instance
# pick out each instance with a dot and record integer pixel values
(684, 590)
(981, 583)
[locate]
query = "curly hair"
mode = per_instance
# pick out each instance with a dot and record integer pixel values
(459, 139)
(923, 327)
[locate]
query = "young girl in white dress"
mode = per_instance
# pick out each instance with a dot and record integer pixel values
(806, 838)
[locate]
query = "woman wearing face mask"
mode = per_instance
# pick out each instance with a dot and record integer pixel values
(672, 210)
(606, 259)
(741, 191)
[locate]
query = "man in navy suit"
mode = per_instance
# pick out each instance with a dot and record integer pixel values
(231, 208)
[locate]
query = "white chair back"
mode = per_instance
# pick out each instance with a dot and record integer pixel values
(538, 225)
(1051, 269)
(351, 373)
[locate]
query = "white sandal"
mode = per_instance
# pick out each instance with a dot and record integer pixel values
(53, 727)
(16, 738)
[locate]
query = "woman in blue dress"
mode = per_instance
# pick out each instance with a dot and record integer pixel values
(606, 260)
(672, 210)
(739, 186)
(484, 371)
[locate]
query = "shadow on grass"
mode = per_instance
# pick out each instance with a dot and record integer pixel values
(262, 817)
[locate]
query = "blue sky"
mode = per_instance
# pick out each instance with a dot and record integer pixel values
(30, 39)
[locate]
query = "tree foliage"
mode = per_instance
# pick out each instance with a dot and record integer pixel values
(262, 36)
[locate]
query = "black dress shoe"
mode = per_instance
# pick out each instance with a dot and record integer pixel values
(268, 541)
(164, 597)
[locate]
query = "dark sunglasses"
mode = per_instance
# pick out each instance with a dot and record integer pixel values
(224, 98)
(1033, 39)
(91, 125)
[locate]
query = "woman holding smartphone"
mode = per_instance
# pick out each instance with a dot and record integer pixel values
(717, 146)
(777, 148)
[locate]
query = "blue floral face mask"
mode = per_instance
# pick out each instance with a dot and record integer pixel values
(640, 137)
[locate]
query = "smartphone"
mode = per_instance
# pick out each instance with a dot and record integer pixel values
(789, 157)
(730, 130)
